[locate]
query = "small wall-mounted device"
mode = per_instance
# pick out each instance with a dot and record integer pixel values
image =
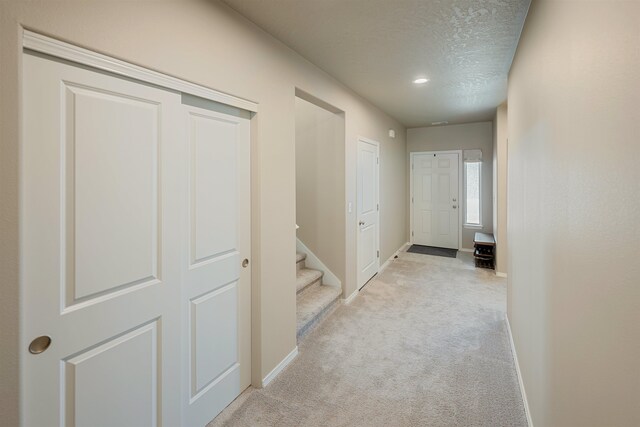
(392, 133)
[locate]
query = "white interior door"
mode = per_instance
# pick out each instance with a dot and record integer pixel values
(216, 292)
(99, 245)
(135, 221)
(435, 199)
(368, 211)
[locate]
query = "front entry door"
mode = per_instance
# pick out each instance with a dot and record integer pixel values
(368, 210)
(435, 199)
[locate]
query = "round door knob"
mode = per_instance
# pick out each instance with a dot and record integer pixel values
(245, 262)
(39, 344)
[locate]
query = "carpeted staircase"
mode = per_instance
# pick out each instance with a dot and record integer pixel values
(315, 301)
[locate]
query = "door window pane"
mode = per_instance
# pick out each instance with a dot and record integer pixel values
(472, 191)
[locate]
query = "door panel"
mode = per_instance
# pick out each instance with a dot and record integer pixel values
(98, 264)
(426, 188)
(124, 366)
(367, 164)
(444, 223)
(216, 289)
(444, 188)
(213, 187)
(112, 198)
(214, 345)
(426, 222)
(367, 209)
(368, 252)
(435, 217)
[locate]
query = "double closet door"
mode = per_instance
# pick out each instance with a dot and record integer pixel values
(135, 222)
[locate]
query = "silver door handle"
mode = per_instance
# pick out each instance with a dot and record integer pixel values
(361, 223)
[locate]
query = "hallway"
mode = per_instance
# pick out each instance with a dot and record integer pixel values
(424, 343)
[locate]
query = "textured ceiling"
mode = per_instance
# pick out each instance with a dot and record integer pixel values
(378, 47)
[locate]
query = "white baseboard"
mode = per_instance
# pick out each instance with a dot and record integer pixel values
(283, 364)
(519, 374)
(392, 257)
(385, 265)
(351, 297)
(499, 274)
(314, 262)
(465, 250)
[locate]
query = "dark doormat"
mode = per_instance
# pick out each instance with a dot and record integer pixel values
(430, 250)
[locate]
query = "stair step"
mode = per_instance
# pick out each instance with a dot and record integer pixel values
(306, 277)
(313, 305)
(300, 264)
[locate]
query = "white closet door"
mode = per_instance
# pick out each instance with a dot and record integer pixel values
(216, 290)
(100, 249)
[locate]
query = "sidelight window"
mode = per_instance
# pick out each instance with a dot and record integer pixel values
(473, 201)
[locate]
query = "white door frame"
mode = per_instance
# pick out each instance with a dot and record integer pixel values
(377, 144)
(59, 49)
(412, 154)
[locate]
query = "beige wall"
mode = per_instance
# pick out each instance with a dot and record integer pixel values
(574, 204)
(207, 43)
(320, 198)
(461, 137)
(500, 187)
(393, 193)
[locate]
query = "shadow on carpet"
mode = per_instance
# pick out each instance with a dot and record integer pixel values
(431, 250)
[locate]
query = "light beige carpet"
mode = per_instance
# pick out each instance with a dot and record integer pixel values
(424, 344)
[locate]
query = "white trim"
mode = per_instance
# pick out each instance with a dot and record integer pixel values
(499, 274)
(385, 265)
(59, 49)
(519, 374)
(392, 257)
(466, 250)
(473, 226)
(351, 297)
(377, 145)
(460, 190)
(314, 262)
(283, 364)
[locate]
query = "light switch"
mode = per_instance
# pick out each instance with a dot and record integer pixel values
(349, 207)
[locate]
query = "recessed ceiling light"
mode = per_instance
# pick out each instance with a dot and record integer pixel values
(421, 80)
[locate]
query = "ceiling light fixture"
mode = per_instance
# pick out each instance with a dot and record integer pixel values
(421, 80)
